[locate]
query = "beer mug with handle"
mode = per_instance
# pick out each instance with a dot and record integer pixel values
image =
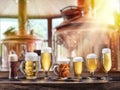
(62, 68)
(30, 67)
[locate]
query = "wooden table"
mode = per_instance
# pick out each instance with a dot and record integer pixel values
(55, 84)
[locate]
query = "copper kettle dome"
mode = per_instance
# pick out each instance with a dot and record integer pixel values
(72, 12)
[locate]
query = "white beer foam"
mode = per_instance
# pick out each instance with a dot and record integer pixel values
(47, 49)
(31, 56)
(106, 50)
(78, 59)
(13, 56)
(92, 55)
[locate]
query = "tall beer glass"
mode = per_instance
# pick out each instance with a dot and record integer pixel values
(46, 60)
(91, 62)
(77, 66)
(106, 60)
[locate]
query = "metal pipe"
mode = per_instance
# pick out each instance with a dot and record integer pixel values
(22, 16)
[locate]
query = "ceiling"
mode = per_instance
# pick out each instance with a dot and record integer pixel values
(35, 8)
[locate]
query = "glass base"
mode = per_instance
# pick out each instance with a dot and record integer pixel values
(91, 78)
(77, 77)
(62, 78)
(106, 78)
(46, 78)
(31, 78)
(13, 77)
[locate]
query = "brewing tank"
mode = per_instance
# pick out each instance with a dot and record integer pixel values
(79, 35)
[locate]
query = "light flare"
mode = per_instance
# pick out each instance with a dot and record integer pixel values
(104, 10)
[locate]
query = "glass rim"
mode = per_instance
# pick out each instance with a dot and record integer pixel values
(31, 56)
(106, 50)
(91, 55)
(46, 49)
(78, 59)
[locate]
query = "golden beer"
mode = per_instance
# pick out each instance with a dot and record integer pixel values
(31, 69)
(46, 61)
(77, 66)
(107, 62)
(91, 64)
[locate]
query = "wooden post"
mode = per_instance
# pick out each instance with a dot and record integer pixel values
(50, 32)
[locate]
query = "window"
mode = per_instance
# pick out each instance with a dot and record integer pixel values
(56, 22)
(40, 27)
(7, 23)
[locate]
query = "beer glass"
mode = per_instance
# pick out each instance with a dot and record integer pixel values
(13, 65)
(106, 60)
(62, 68)
(77, 66)
(46, 60)
(91, 63)
(30, 67)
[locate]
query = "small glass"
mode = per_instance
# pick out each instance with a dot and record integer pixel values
(46, 60)
(77, 67)
(106, 61)
(91, 63)
(62, 68)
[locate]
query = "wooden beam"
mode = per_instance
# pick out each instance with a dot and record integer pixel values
(31, 17)
(50, 32)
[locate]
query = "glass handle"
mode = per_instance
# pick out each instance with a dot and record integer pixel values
(21, 67)
(55, 69)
